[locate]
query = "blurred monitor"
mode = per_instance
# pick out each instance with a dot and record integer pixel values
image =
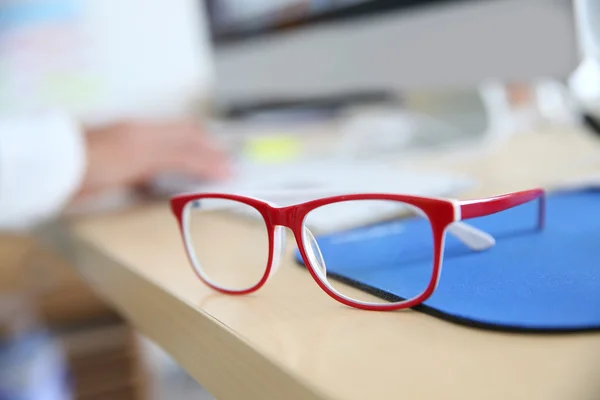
(293, 49)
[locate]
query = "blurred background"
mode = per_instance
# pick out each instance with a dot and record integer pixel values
(361, 89)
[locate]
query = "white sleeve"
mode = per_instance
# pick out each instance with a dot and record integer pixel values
(42, 163)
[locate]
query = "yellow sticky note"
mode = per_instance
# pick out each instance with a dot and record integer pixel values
(272, 148)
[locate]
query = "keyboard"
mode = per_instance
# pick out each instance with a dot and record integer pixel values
(296, 183)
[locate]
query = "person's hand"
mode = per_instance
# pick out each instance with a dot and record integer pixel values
(128, 155)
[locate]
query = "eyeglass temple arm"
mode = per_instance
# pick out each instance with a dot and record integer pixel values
(492, 205)
(473, 238)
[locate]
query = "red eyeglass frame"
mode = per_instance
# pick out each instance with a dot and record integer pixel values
(440, 212)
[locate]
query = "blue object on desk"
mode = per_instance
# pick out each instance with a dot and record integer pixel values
(530, 280)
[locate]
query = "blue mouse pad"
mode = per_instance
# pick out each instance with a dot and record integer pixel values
(530, 280)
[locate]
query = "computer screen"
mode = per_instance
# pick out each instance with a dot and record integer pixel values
(235, 20)
(272, 50)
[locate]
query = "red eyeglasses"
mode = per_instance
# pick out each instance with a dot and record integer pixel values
(237, 256)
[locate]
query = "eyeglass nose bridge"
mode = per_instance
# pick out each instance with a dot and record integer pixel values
(281, 218)
(284, 216)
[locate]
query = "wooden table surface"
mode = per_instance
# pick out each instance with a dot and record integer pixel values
(292, 341)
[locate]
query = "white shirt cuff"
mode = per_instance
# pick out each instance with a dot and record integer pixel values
(42, 164)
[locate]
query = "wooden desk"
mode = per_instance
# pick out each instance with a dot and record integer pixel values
(291, 341)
